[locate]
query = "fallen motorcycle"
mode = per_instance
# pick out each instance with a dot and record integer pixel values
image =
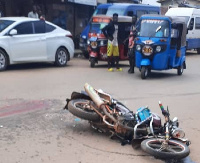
(107, 114)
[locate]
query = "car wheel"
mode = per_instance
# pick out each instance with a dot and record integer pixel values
(61, 57)
(3, 60)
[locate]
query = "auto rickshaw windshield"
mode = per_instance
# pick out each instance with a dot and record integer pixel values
(96, 27)
(154, 28)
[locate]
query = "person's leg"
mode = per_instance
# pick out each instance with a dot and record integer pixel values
(109, 54)
(131, 61)
(116, 57)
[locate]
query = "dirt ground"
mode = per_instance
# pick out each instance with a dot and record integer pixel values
(35, 128)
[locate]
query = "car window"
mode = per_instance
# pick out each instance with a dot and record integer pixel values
(4, 24)
(39, 26)
(49, 28)
(24, 28)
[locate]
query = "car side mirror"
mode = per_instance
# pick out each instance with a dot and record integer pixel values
(13, 32)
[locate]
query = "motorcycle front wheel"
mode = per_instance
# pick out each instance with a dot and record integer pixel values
(173, 150)
(82, 109)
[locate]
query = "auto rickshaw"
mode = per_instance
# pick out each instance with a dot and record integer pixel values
(160, 44)
(97, 43)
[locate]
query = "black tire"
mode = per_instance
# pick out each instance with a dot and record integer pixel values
(198, 51)
(180, 69)
(144, 72)
(3, 60)
(86, 55)
(92, 62)
(177, 149)
(62, 56)
(76, 107)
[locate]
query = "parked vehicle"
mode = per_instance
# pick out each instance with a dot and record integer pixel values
(123, 9)
(24, 40)
(192, 18)
(107, 114)
(98, 42)
(160, 44)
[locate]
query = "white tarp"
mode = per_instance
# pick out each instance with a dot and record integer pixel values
(85, 2)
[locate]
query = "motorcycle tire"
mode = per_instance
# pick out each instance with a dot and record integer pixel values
(177, 149)
(76, 107)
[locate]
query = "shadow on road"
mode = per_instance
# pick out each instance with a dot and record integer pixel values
(29, 66)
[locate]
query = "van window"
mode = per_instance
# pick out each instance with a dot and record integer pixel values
(191, 24)
(130, 13)
(112, 10)
(197, 23)
(153, 12)
(140, 13)
(100, 11)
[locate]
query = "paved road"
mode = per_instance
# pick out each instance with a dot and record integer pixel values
(34, 128)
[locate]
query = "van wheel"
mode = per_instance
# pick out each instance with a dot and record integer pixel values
(198, 51)
(3, 60)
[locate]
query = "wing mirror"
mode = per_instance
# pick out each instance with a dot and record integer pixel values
(13, 32)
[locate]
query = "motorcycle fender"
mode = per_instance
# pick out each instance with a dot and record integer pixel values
(145, 62)
(93, 54)
(77, 95)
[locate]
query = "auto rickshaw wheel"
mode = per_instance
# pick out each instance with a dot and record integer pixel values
(144, 72)
(92, 62)
(180, 69)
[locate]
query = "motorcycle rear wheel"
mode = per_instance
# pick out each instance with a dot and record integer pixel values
(175, 150)
(81, 108)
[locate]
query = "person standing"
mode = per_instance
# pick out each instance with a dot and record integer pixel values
(33, 13)
(131, 45)
(111, 33)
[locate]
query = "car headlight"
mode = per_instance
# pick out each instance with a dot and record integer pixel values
(138, 47)
(93, 44)
(158, 49)
(147, 50)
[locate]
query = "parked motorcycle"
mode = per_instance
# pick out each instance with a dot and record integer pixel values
(105, 113)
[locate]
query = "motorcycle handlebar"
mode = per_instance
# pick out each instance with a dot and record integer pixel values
(93, 95)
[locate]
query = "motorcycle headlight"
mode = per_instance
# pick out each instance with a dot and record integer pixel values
(178, 133)
(93, 44)
(158, 49)
(147, 50)
(138, 47)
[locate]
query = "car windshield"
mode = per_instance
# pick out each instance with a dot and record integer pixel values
(154, 28)
(4, 24)
(96, 27)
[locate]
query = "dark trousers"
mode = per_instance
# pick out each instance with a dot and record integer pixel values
(131, 55)
(113, 61)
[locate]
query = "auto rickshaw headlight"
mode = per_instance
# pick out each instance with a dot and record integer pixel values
(88, 42)
(93, 44)
(147, 50)
(158, 49)
(138, 47)
(101, 43)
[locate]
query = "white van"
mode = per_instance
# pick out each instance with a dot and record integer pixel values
(192, 17)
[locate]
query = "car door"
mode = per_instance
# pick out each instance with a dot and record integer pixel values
(28, 44)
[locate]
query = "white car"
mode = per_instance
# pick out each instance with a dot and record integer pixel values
(24, 40)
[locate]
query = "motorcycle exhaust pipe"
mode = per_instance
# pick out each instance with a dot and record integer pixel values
(93, 95)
